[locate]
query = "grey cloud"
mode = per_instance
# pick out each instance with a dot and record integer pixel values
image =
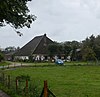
(93, 6)
(62, 20)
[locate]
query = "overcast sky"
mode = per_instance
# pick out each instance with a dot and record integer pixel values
(61, 20)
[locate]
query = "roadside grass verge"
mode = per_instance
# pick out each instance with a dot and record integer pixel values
(4, 63)
(43, 64)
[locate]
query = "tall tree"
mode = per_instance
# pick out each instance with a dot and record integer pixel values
(52, 48)
(1, 56)
(15, 13)
(97, 47)
(88, 54)
(74, 45)
(10, 49)
(67, 48)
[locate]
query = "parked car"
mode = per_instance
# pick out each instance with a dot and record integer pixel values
(59, 62)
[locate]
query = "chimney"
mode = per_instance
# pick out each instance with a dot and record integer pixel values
(45, 40)
(45, 34)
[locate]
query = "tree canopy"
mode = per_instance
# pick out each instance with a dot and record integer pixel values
(15, 13)
(87, 50)
(1, 56)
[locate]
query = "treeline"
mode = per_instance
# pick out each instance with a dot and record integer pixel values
(8, 50)
(86, 50)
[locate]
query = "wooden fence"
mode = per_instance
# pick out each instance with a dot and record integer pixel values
(15, 86)
(46, 92)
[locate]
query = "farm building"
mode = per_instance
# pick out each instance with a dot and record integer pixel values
(37, 49)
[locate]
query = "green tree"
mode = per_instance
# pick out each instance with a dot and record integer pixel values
(56, 49)
(15, 13)
(74, 46)
(10, 49)
(93, 43)
(60, 49)
(97, 47)
(1, 57)
(88, 54)
(67, 48)
(53, 49)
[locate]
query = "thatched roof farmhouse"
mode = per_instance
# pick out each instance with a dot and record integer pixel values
(37, 48)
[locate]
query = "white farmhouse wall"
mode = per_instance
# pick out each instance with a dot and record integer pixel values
(22, 57)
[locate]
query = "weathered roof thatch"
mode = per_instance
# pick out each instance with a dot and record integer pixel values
(37, 45)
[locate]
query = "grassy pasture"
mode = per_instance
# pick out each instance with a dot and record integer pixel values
(65, 81)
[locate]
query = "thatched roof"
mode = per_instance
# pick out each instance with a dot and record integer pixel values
(37, 45)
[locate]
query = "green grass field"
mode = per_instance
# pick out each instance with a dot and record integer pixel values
(65, 81)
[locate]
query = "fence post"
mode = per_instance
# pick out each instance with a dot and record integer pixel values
(8, 66)
(3, 67)
(21, 64)
(8, 81)
(3, 78)
(26, 86)
(16, 84)
(14, 65)
(45, 89)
